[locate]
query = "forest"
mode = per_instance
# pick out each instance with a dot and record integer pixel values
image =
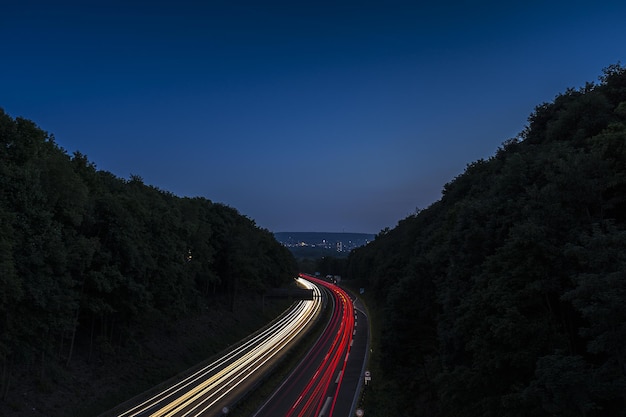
(90, 261)
(507, 297)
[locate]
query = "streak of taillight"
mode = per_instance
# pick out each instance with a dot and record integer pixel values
(316, 389)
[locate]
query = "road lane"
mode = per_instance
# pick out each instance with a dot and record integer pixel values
(222, 382)
(326, 381)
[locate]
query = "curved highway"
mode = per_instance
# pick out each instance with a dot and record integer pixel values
(325, 383)
(315, 387)
(211, 389)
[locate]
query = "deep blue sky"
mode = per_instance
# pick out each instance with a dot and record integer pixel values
(304, 116)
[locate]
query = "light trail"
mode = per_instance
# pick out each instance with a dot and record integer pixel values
(198, 393)
(318, 398)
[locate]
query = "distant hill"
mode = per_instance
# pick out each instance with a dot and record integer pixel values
(319, 244)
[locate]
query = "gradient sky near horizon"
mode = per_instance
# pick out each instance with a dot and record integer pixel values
(302, 115)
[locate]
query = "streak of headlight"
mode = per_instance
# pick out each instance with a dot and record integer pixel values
(255, 353)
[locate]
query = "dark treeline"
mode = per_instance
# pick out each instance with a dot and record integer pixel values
(86, 256)
(507, 297)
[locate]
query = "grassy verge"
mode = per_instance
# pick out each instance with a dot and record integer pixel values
(165, 348)
(375, 398)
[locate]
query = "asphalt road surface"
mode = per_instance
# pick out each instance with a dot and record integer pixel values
(328, 380)
(211, 388)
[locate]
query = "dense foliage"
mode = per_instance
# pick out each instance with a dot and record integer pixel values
(87, 257)
(507, 297)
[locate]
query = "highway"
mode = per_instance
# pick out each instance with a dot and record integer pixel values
(316, 387)
(324, 384)
(212, 389)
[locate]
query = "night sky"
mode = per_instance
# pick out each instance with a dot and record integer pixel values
(304, 116)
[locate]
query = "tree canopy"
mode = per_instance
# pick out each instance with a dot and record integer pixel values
(506, 297)
(85, 255)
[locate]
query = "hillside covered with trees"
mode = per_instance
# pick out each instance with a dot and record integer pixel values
(89, 261)
(507, 297)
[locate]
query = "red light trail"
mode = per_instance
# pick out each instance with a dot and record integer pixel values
(319, 396)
